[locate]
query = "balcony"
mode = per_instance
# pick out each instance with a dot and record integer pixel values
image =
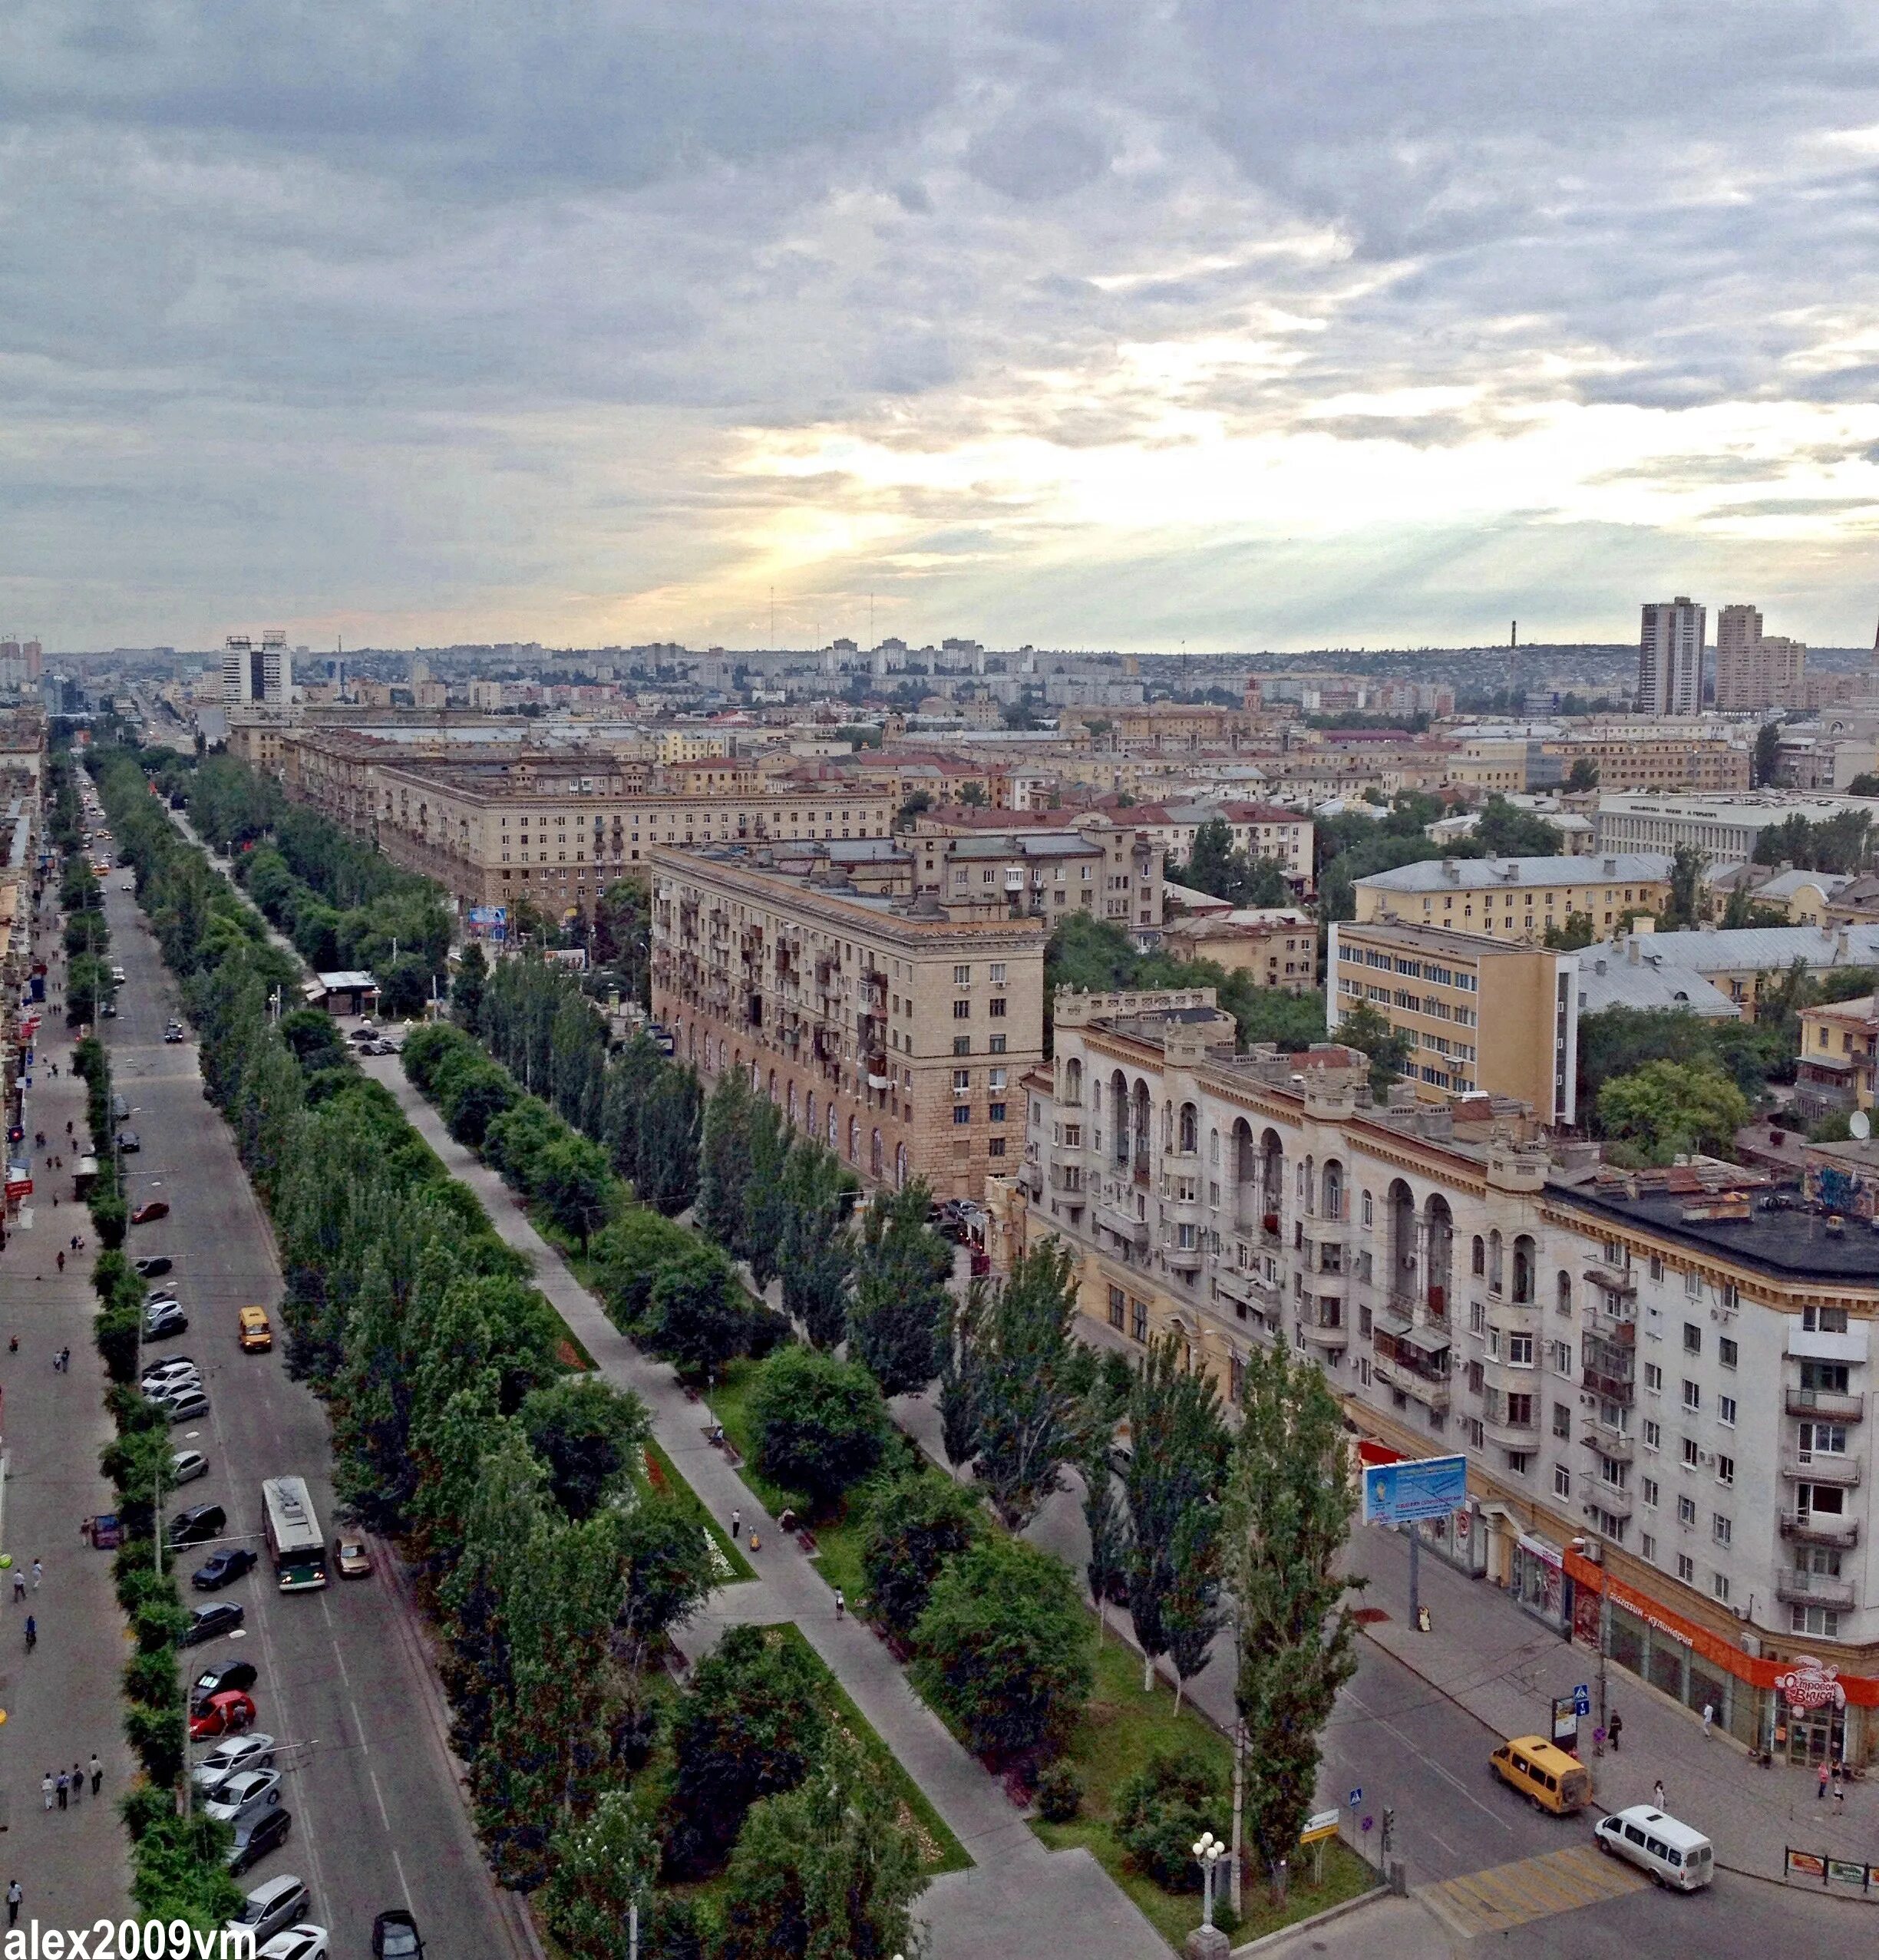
(1814, 1589)
(1826, 1403)
(1821, 1528)
(1505, 1433)
(1186, 1258)
(1608, 1497)
(1124, 1225)
(1612, 1279)
(1333, 1336)
(1617, 1388)
(1611, 1443)
(1842, 1472)
(1248, 1289)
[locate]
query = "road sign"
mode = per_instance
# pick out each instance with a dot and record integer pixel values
(1321, 1825)
(1356, 1797)
(1423, 1487)
(1582, 1699)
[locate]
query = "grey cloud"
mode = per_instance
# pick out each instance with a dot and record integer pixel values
(1033, 157)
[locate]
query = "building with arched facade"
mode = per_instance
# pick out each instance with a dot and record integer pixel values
(1658, 1379)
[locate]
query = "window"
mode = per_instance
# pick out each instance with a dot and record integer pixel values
(1693, 1338)
(996, 1081)
(1824, 1320)
(1648, 1545)
(1692, 1395)
(1562, 1481)
(962, 1044)
(1368, 1212)
(1562, 1357)
(1138, 1319)
(1653, 1436)
(1692, 1283)
(997, 972)
(1719, 1586)
(961, 1010)
(1725, 1470)
(1653, 1376)
(1686, 1569)
(1519, 1461)
(996, 1006)
(1115, 1308)
(996, 1147)
(1477, 1317)
(996, 1112)
(998, 1044)
(1656, 1266)
(1689, 1452)
(1562, 1422)
(1686, 1511)
(1647, 1489)
(961, 1078)
(1722, 1529)
(1822, 1439)
(962, 976)
(962, 1113)
(1726, 1351)
(1520, 1350)
(1725, 1410)
(1813, 1619)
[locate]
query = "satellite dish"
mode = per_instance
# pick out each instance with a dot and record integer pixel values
(1860, 1124)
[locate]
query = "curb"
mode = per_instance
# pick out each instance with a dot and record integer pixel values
(1341, 1910)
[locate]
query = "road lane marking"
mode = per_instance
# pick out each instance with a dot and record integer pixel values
(1423, 1755)
(1505, 1896)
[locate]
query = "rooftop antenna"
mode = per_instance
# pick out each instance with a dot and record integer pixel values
(1513, 635)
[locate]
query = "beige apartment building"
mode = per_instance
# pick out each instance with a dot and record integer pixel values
(1753, 669)
(893, 1024)
(1484, 1017)
(1646, 758)
(1278, 947)
(1516, 898)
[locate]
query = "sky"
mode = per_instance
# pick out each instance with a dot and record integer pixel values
(1241, 323)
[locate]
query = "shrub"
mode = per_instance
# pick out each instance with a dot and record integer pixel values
(1163, 1808)
(1004, 1647)
(820, 1425)
(914, 1523)
(631, 1254)
(1059, 1794)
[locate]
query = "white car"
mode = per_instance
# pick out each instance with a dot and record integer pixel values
(157, 1295)
(301, 1942)
(253, 1751)
(179, 1368)
(244, 1795)
(271, 1907)
(187, 1465)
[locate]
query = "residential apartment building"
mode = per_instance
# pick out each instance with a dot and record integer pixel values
(893, 1023)
(1754, 670)
(253, 672)
(1260, 829)
(1516, 897)
(1660, 1387)
(1098, 866)
(1484, 1017)
(1725, 828)
(1736, 964)
(1839, 1057)
(1670, 659)
(1277, 946)
(1648, 758)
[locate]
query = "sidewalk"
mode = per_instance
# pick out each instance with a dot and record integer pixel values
(1018, 1898)
(61, 1701)
(1503, 1666)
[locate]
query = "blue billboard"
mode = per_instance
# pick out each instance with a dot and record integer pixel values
(488, 922)
(1404, 1492)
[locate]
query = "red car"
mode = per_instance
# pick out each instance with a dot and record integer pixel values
(149, 1214)
(231, 1713)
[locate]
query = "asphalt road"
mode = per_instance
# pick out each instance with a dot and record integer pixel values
(378, 1820)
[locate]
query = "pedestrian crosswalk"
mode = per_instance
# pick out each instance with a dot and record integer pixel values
(1531, 1888)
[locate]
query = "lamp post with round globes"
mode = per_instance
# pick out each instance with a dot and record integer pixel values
(1209, 1851)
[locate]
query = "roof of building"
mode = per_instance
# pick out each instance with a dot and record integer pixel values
(1792, 1243)
(1748, 949)
(1477, 874)
(1609, 979)
(1438, 938)
(1199, 904)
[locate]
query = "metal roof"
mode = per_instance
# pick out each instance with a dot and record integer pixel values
(1478, 874)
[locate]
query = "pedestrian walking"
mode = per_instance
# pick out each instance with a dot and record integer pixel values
(77, 1783)
(1820, 1795)
(85, 1531)
(1614, 1729)
(14, 1896)
(46, 1785)
(1709, 1719)
(841, 1605)
(1657, 1792)
(61, 1261)
(19, 1585)
(63, 1787)
(39, 1574)
(64, 1361)
(98, 1774)
(736, 1523)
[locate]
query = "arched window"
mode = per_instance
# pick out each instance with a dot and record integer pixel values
(854, 1138)
(901, 1166)
(1477, 1257)
(1189, 1129)
(1368, 1212)
(1565, 1292)
(1073, 1082)
(792, 1102)
(834, 1127)
(1496, 1277)
(1213, 1146)
(1333, 1189)
(809, 1114)
(876, 1165)
(1524, 1271)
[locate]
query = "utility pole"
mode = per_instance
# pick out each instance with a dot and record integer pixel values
(1239, 1811)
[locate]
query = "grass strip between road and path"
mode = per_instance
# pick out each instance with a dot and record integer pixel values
(689, 1501)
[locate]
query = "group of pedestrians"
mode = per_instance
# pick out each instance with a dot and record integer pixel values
(63, 1788)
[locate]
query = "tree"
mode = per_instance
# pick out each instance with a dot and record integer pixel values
(724, 1159)
(1668, 1109)
(826, 1871)
(766, 1214)
(1023, 1404)
(315, 1041)
(911, 1525)
(1004, 1647)
(819, 1424)
(750, 1725)
(1683, 905)
(1390, 1049)
(698, 1315)
(1162, 1808)
(1577, 931)
(631, 1253)
(1178, 1451)
(1286, 1517)
(599, 1867)
(467, 988)
(588, 1432)
(670, 1116)
(902, 1266)
(1766, 762)
(818, 1248)
(958, 1411)
(574, 1183)
(916, 805)
(1583, 775)
(1504, 831)
(1865, 784)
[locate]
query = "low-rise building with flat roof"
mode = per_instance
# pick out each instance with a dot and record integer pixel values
(1516, 897)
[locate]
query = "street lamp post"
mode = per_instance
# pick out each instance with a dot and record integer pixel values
(1209, 1852)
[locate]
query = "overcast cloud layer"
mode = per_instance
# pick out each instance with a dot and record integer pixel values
(1083, 322)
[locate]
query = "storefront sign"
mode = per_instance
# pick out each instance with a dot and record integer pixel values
(1806, 1865)
(1810, 1684)
(1550, 1554)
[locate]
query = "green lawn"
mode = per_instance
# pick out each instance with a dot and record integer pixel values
(740, 1566)
(729, 1401)
(1119, 1729)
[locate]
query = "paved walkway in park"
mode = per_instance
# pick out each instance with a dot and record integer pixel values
(61, 1700)
(1018, 1898)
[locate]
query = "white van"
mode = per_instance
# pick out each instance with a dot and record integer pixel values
(1672, 1853)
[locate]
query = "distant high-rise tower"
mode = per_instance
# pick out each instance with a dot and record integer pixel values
(1670, 659)
(1753, 669)
(252, 672)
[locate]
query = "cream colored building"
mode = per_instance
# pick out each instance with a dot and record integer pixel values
(892, 1024)
(689, 744)
(1516, 897)
(1753, 669)
(1277, 946)
(1484, 1016)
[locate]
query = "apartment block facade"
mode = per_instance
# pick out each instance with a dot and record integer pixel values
(1516, 897)
(1753, 669)
(893, 1022)
(1660, 1386)
(1646, 759)
(1670, 658)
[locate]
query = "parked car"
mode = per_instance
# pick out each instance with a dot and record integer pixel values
(154, 1266)
(187, 1465)
(245, 1795)
(197, 1524)
(302, 1942)
(227, 1758)
(222, 1680)
(158, 1294)
(254, 1841)
(233, 1713)
(223, 1568)
(120, 1108)
(395, 1937)
(205, 1622)
(129, 1140)
(185, 1405)
(272, 1907)
(165, 1319)
(178, 1367)
(364, 1031)
(149, 1212)
(352, 1558)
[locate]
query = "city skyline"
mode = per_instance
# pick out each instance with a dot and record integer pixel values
(1085, 327)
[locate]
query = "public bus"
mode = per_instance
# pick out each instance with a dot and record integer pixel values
(293, 1534)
